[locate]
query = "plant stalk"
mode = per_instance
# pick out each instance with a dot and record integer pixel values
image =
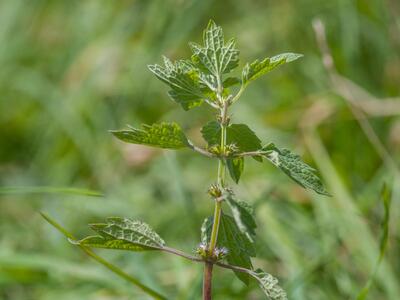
(207, 280)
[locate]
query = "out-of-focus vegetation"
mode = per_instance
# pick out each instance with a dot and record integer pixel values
(71, 70)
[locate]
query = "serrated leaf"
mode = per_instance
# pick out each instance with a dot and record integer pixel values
(240, 249)
(292, 165)
(269, 285)
(242, 213)
(185, 81)
(235, 167)
(123, 234)
(258, 68)
(104, 262)
(163, 135)
(215, 56)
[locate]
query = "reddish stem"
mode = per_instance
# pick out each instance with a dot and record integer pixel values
(207, 280)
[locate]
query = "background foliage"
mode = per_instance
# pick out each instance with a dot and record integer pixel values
(71, 70)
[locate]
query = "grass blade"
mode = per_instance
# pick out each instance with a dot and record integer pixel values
(386, 199)
(6, 190)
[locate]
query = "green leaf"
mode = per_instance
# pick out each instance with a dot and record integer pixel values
(244, 138)
(163, 135)
(235, 166)
(104, 262)
(184, 80)
(123, 234)
(242, 213)
(292, 165)
(240, 249)
(269, 285)
(386, 197)
(258, 68)
(230, 81)
(215, 56)
(239, 134)
(211, 133)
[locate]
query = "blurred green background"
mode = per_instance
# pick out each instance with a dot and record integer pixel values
(71, 70)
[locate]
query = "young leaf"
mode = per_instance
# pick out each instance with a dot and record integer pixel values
(240, 249)
(183, 79)
(258, 68)
(269, 285)
(123, 234)
(235, 166)
(243, 215)
(163, 135)
(215, 57)
(292, 165)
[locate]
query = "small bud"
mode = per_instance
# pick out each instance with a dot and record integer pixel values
(220, 253)
(215, 149)
(231, 149)
(201, 250)
(214, 191)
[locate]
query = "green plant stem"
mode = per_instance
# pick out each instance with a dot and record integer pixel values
(207, 281)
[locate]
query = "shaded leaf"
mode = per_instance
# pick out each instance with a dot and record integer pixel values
(242, 213)
(211, 133)
(239, 134)
(163, 135)
(235, 166)
(292, 165)
(215, 56)
(269, 285)
(258, 68)
(123, 234)
(244, 138)
(240, 249)
(230, 81)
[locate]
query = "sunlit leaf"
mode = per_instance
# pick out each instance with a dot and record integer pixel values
(258, 68)
(123, 234)
(163, 135)
(292, 165)
(215, 56)
(269, 285)
(184, 81)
